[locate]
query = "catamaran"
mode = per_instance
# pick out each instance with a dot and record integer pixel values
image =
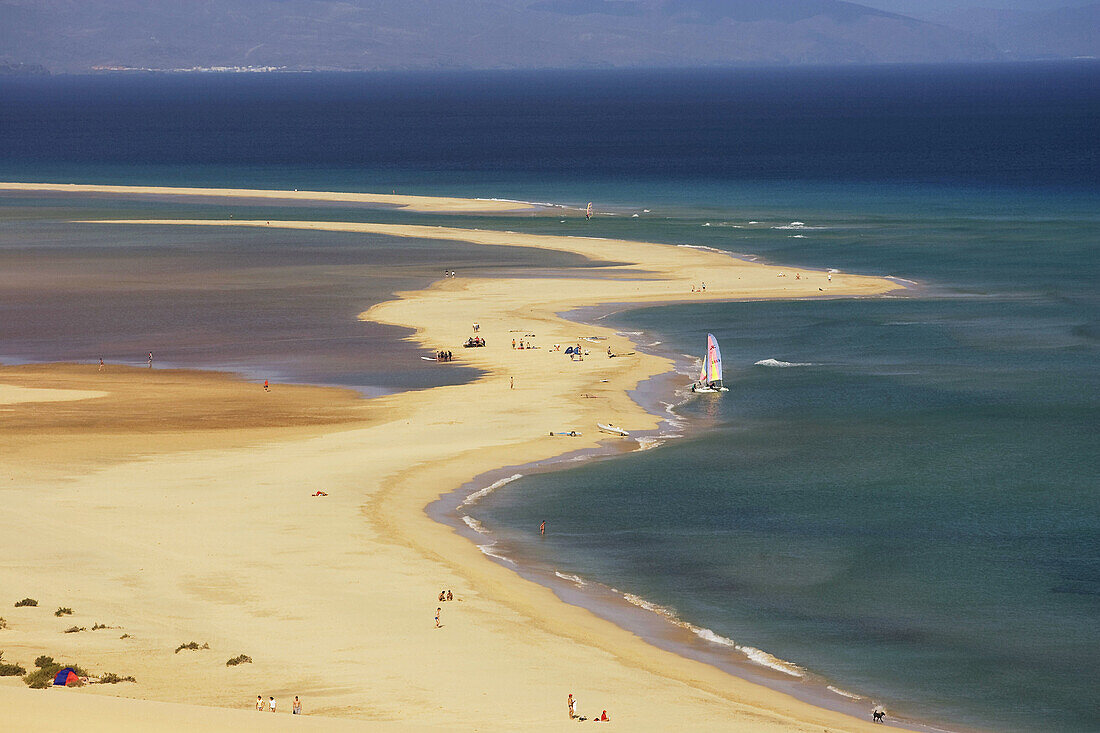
(710, 377)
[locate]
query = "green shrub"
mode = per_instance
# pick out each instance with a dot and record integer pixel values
(42, 677)
(10, 670)
(63, 612)
(97, 627)
(192, 645)
(113, 679)
(124, 636)
(239, 659)
(74, 629)
(43, 661)
(26, 602)
(3, 623)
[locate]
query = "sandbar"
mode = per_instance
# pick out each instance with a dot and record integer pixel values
(173, 530)
(433, 204)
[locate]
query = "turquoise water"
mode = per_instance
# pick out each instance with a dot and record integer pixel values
(898, 495)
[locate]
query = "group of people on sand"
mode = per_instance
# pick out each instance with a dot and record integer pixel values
(446, 595)
(521, 344)
(295, 708)
(444, 356)
(474, 341)
(574, 715)
(702, 288)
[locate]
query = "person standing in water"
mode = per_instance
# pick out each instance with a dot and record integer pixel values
(150, 359)
(542, 528)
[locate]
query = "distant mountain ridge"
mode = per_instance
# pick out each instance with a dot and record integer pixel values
(68, 36)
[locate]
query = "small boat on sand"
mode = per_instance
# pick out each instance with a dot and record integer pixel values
(609, 428)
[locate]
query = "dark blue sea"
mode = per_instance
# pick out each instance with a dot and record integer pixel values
(899, 497)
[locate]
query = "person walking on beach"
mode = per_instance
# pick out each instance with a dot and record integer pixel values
(542, 528)
(267, 387)
(572, 706)
(259, 703)
(150, 359)
(437, 612)
(296, 709)
(101, 363)
(271, 704)
(511, 382)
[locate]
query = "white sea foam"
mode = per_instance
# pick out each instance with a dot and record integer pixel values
(783, 364)
(902, 280)
(650, 443)
(713, 638)
(628, 333)
(488, 550)
(759, 656)
(754, 222)
(797, 225)
(482, 493)
(844, 693)
(796, 236)
(653, 607)
(473, 524)
(574, 579)
(770, 660)
(707, 224)
(702, 247)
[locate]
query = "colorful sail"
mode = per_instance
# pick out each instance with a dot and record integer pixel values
(713, 363)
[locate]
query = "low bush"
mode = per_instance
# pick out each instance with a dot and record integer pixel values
(43, 661)
(42, 677)
(63, 612)
(26, 602)
(3, 623)
(74, 629)
(192, 645)
(124, 636)
(239, 659)
(113, 679)
(97, 627)
(10, 670)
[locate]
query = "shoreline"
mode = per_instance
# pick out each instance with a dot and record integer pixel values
(659, 626)
(649, 688)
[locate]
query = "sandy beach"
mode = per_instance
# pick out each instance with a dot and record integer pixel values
(435, 204)
(173, 506)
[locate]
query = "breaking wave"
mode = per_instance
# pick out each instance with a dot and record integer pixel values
(473, 524)
(574, 579)
(844, 693)
(758, 656)
(778, 363)
(482, 493)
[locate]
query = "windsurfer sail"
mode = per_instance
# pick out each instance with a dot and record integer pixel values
(710, 376)
(588, 212)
